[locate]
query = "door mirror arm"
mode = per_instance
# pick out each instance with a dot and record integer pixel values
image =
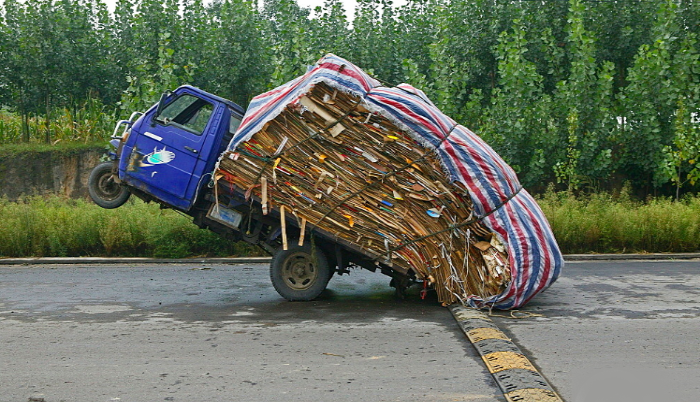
(161, 105)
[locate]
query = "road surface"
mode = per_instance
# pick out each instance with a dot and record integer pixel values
(221, 333)
(618, 331)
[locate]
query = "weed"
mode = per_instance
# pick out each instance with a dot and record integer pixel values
(88, 122)
(607, 223)
(55, 226)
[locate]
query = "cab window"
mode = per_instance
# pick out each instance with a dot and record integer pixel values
(234, 123)
(187, 112)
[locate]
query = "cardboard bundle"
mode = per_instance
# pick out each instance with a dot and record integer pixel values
(329, 159)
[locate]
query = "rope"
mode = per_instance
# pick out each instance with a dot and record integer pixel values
(517, 314)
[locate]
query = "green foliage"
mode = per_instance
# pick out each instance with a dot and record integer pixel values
(88, 122)
(58, 227)
(583, 109)
(145, 88)
(567, 171)
(518, 125)
(331, 30)
(289, 30)
(588, 93)
(235, 59)
(613, 223)
(54, 226)
(54, 55)
(658, 102)
(681, 159)
(620, 28)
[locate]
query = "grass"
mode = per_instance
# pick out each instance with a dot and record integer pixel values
(27, 150)
(58, 227)
(55, 226)
(614, 223)
(88, 122)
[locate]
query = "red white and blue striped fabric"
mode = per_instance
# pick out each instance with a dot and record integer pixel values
(534, 256)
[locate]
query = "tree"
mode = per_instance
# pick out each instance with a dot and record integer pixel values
(648, 103)
(375, 40)
(152, 21)
(34, 58)
(584, 109)
(238, 63)
(462, 58)
(331, 30)
(289, 33)
(682, 155)
(150, 81)
(620, 27)
(87, 66)
(124, 42)
(518, 124)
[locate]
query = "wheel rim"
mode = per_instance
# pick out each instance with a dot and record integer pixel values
(299, 271)
(107, 188)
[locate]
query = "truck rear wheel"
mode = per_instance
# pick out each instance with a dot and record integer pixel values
(300, 273)
(103, 190)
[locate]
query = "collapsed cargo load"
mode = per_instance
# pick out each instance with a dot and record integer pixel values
(384, 170)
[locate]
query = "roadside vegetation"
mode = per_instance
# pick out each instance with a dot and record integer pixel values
(577, 96)
(88, 122)
(584, 94)
(58, 227)
(616, 223)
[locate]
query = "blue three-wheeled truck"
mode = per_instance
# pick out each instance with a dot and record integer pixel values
(168, 155)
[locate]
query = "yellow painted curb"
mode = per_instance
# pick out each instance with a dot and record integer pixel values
(515, 374)
(481, 334)
(532, 395)
(499, 361)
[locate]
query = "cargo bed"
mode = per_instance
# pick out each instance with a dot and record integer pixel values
(378, 177)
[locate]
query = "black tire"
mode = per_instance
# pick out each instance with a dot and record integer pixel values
(103, 190)
(298, 274)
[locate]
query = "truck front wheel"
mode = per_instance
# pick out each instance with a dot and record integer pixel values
(300, 273)
(103, 190)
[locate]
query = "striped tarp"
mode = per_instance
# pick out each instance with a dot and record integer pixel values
(506, 208)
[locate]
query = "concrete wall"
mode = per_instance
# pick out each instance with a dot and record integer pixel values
(48, 172)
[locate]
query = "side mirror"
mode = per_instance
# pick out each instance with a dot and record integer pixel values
(161, 106)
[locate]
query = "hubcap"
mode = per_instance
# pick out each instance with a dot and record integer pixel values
(299, 271)
(108, 188)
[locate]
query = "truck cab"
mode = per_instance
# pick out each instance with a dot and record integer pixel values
(169, 152)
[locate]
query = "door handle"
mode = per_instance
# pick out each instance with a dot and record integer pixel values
(191, 149)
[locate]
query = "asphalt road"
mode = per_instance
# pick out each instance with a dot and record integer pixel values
(617, 331)
(221, 333)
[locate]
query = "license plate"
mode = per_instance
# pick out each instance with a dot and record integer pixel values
(228, 217)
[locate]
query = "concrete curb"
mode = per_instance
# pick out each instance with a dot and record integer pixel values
(266, 260)
(629, 257)
(517, 377)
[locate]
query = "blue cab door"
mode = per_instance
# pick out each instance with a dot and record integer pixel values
(167, 159)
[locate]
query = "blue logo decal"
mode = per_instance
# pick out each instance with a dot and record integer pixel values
(158, 157)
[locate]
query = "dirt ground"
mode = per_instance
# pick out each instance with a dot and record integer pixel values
(50, 172)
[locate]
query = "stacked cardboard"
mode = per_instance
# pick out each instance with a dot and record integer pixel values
(337, 166)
